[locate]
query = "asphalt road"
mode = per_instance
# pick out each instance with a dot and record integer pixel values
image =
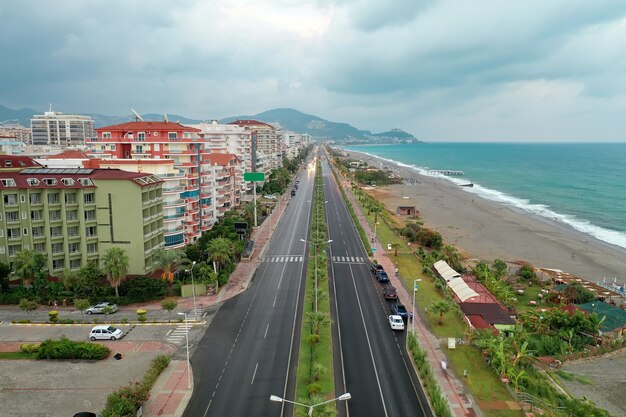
(250, 350)
(376, 369)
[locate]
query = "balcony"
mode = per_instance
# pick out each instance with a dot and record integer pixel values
(179, 152)
(173, 231)
(186, 165)
(168, 190)
(172, 176)
(179, 202)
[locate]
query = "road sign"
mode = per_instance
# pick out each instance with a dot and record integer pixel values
(254, 176)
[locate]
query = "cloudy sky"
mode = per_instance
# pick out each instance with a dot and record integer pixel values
(477, 70)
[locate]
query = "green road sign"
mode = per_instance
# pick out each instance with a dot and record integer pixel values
(253, 176)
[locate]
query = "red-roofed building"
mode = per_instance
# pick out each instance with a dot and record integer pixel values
(17, 163)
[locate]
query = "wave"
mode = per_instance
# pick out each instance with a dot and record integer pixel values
(612, 237)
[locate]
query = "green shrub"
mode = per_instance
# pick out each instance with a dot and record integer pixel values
(22, 321)
(66, 321)
(29, 347)
(65, 348)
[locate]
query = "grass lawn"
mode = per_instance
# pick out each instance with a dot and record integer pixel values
(530, 293)
(17, 355)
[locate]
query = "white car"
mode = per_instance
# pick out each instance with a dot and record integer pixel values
(105, 332)
(270, 196)
(396, 322)
(102, 308)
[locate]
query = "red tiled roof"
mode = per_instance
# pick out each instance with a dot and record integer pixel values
(17, 161)
(571, 309)
(491, 313)
(118, 174)
(222, 159)
(151, 126)
(21, 178)
(69, 154)
(250, 123)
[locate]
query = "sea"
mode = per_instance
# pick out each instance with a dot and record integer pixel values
(580, 184)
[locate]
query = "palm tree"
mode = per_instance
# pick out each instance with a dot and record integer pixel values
(67, 279)
(220, 250)
(28, 264)
(168, 261)
(451, 256)
(115, 264)
(317, 320)
(441, 307)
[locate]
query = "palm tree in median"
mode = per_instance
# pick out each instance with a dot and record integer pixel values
(317, 320)
(220, 250)
(441, 307)
(168, 261)
(115, 264)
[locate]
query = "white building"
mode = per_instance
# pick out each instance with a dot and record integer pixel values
(55, 128)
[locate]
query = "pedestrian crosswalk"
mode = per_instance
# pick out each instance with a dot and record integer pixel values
(177, 336)
(348, 259)
(283, 258)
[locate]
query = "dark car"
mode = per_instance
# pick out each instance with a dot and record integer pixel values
(400, 310)
(390, 293)
(293, 192)
(382, 277)
(376, 267)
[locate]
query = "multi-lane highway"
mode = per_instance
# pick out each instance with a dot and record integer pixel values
(250, 350)
(372, 363)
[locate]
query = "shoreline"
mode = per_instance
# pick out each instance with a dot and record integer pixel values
(488, 230)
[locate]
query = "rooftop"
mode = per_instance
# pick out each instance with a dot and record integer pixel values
(140, 126)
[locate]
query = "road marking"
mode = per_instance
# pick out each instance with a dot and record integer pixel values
(273, 305)
(254, 374)
(168, 333)
(266, 329)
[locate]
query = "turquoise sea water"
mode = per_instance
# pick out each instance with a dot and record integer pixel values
(583, 185)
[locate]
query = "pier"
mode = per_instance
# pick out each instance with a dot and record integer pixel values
(446, 172)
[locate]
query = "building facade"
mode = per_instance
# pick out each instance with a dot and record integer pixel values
(267, 143)
(55, 128)
(74, 216)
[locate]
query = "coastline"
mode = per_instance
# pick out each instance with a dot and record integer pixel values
(487, 230)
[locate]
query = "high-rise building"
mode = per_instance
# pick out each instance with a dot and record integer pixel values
(55, 128)
(267, 143)
(75, 215)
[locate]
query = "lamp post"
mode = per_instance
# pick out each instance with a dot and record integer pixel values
(193, 286)
(413, 308)
(315, 245)
(187, 344)
(344, 397)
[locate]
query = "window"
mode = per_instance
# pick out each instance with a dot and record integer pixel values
(39, 247)
(106, 135)
(32, 181)
(25, 232)
(90, 231)
(67, 182)
(36, 215)
(92, 248)
(23, 198)
(35, 198)
(72, 231)
(37, 231)
(13, 249)
(10, 199)
(2, 251)
(24, 215)
(55, 215)
(156, 147)
(73, 247)
(12, 216)
(75, 264)
(90, 215)
(8, 182)
(55, 231)
(8, 163)
(70, 198)
(53, 198)
(171, 135)
(57, 248)
(85, 182)
(58, 263)
(141, 136)
(50, 181)
(89, 198)
(139, 149)
(113, 147)
(13, 233)
(71, 215)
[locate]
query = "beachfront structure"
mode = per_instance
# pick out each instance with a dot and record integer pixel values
(266, 141)
(74, 216)
(232, 139)
(56, 128)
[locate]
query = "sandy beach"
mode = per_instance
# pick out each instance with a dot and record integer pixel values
(483, 229)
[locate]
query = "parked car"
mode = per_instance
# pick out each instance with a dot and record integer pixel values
(390, 293)
(270, 196)
(293, 192)
(105, 332)
(396, 322)
(376, 267)
(400, 310)
(382, 277)
(102, 308)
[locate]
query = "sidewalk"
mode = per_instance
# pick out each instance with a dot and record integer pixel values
(451, 387)
(171, 394)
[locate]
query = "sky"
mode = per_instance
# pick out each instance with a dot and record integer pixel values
(479, 70)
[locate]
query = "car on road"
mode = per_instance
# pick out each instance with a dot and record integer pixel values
(390, 293)
(105, 332)
(400, 310)
(293, 192)
(376, 267)
(382, 277)
(396, 322)
(102, 308)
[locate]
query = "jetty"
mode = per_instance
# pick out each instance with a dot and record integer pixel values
(450, 172)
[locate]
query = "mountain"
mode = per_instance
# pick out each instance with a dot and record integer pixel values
(22, 116)
(104, 120)
(319, 128)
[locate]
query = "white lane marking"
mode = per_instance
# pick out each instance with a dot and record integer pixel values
(254, 374)
(168, 333)
(273, 305)
(266, 329)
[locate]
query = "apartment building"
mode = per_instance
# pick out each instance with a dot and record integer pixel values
(225, 169)
(267, 143)
(56, 128)
(75, 215)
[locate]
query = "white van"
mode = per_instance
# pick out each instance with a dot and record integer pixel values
(105, 332)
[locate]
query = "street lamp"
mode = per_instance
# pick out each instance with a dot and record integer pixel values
(413, 308)
(187, 343)
(344, 397)
(193, 286)
(315, 245)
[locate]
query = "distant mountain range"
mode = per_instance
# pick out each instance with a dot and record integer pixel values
(289, 119)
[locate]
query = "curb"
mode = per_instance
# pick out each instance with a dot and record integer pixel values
(116, 324)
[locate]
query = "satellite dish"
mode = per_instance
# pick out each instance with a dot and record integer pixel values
(165, 118)
(138, 118)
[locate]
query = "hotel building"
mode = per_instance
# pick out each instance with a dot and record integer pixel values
(55, 128)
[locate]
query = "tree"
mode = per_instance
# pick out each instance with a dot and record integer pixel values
(441, 307)
(81, 304)
(220, 250)
(395, 248)
(67, 279)
(28, 305)
(5, 271)
(168, 305)
(499, 268)
(87, 283)
(29, 265)
(317, 320)
(168, 261)
(527, 272)
(452, 257)
(115, 263)
(577, 294)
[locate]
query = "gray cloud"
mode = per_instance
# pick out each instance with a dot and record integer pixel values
(448, 69)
